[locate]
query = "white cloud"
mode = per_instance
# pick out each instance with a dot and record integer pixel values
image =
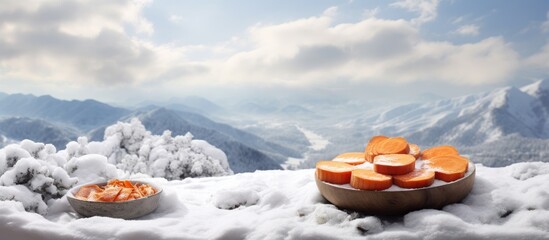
(176, 18)
(545, 25)
(313, 50)
(370, 13)
(427, 9)
(540, 59)
(80, 44)
(330, 12)
(457, 20)
(471, 30)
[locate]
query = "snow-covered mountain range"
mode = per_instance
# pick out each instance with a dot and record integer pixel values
(473, 119)
(37, 130)
(478, 124)
(83, 115)
(47, 119)
(496, 128)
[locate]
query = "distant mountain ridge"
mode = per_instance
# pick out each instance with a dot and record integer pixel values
(466, 121)
(37, 130)
(193, 104)
(84, 115)
(50, 120)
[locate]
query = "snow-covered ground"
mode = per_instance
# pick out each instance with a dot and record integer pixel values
(505, 203)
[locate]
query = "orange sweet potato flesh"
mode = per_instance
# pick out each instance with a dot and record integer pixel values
(115, 191)
(370, 147)
(448, 168)
(414, 150)
(353, 158)
(367, 179)
(146, 190)
(439, 151)
(396, 145)
(124, 194)
(416, 179)
(334, 172)
(394, 164)
(109, 194)
(85, 191)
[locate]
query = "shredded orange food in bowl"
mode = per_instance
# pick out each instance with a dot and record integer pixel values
(115, 191)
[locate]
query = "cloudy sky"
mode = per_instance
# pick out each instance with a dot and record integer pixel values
(128, 51)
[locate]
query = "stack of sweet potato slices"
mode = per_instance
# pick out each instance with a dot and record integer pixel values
(394, 162)
(115, 191)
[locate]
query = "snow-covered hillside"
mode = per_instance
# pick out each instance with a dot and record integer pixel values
(477, 124)
(505, 203)
(468, 120)
(85, 115)
(37, 130)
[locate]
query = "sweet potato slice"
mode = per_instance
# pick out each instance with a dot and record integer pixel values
(353, 158)
(394, 164)
(439, 151)
(136, 192)
(334, 172)
(396, 145)
(115, 182)
(146, 190)
(110, 194)
(124, 194)
(127, 184)
(366, 179)
(416, 179)
(95, 196)
(448, 168)
(85, 191)
(370, 147)
(414, 150)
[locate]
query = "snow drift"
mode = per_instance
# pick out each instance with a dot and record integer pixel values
(505, 203)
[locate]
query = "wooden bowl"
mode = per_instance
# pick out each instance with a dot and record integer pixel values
(126, 209)
(395, 200)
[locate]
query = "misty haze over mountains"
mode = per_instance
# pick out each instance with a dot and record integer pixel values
(495, 128)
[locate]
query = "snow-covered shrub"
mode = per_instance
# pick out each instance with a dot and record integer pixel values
(128, 137)
(10, 155)
(31, 201)
(30, 173)
(90, 168)
(132, 148)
